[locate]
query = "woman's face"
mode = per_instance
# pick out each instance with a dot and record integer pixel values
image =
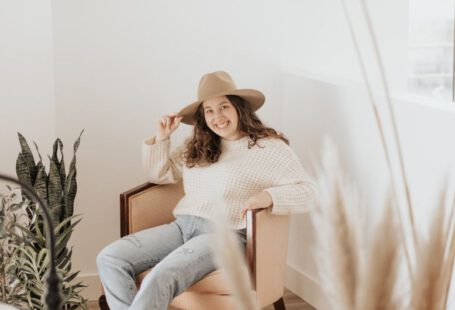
(222, 118)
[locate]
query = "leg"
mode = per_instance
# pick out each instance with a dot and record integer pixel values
(174, 274)
(120, 261)
(279, 304)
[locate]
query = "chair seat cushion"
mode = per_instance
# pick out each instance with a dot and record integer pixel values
(213, 283)
(197, 301)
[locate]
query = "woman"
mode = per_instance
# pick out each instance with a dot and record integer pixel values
(232, 162)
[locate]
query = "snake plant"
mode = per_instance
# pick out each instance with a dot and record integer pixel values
(58, 189)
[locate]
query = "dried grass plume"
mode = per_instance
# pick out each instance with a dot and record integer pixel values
(232, 262)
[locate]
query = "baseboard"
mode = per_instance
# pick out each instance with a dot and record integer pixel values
(306, 287)
(93, 289)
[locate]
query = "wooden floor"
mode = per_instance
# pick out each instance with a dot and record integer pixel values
(292, 302)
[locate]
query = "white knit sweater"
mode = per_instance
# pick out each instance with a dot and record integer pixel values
(239, 174)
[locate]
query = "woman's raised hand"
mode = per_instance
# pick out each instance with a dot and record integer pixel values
(166, 125)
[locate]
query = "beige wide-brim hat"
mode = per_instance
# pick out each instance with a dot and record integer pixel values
(217, 84)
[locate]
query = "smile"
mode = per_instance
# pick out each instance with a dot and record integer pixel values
(223, 125)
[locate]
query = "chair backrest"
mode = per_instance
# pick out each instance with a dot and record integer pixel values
(149, 205)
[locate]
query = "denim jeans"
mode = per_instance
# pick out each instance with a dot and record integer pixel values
(180, 254)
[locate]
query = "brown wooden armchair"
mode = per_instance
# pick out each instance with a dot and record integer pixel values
(150, 205)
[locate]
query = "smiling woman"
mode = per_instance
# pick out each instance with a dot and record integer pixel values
(231, 164)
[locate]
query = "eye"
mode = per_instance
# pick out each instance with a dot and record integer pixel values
(208, 111)
(224, 107)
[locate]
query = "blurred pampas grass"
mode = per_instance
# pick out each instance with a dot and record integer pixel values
(338, 256)
(434, 264)
(378, 270)
(430, 276)
(229, 257)
(361, 270)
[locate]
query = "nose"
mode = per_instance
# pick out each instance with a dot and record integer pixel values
(217, 115)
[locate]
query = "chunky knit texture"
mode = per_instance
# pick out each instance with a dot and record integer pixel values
(239, 174)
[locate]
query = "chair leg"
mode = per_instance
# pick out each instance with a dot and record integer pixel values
(279, 304)
(103, 303)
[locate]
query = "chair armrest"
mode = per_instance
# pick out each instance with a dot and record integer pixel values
(267, 244)
(148, 205)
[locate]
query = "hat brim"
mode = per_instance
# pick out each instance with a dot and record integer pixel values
(253, 97)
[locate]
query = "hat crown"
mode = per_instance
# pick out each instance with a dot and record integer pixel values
(217, 84)
(212, 84)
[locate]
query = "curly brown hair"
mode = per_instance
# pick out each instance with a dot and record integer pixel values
(205, 146)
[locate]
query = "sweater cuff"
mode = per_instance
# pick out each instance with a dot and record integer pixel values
(289, 200)
(155, 154)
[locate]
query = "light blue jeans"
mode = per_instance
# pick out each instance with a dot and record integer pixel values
(180, 252)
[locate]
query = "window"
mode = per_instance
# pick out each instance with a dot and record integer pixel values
(431, 48)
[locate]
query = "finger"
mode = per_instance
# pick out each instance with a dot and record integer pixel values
(171, 118)
(177, 121)
(168, 122)
(163, 120)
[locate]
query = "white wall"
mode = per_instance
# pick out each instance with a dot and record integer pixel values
(26, 79)
(324, 95)
(317, 39)
(346, 116)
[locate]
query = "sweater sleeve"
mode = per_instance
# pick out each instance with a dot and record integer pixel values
(293, 190)
(162, 166)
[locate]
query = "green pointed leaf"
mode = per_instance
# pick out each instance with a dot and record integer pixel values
(28, 159)
(67, 222)
(41, 189)
(58, 144)
(39, 166)
(62, 166)
(64, 259)
(70, 192)
(43, 261)
(70, 277)
(55, 192)
(37, 151)
(40, 186)
(62, 241)
(69, 230)
(76, 144)
(23, 173)
(55, 150)
(36, 291)
(71, 184)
